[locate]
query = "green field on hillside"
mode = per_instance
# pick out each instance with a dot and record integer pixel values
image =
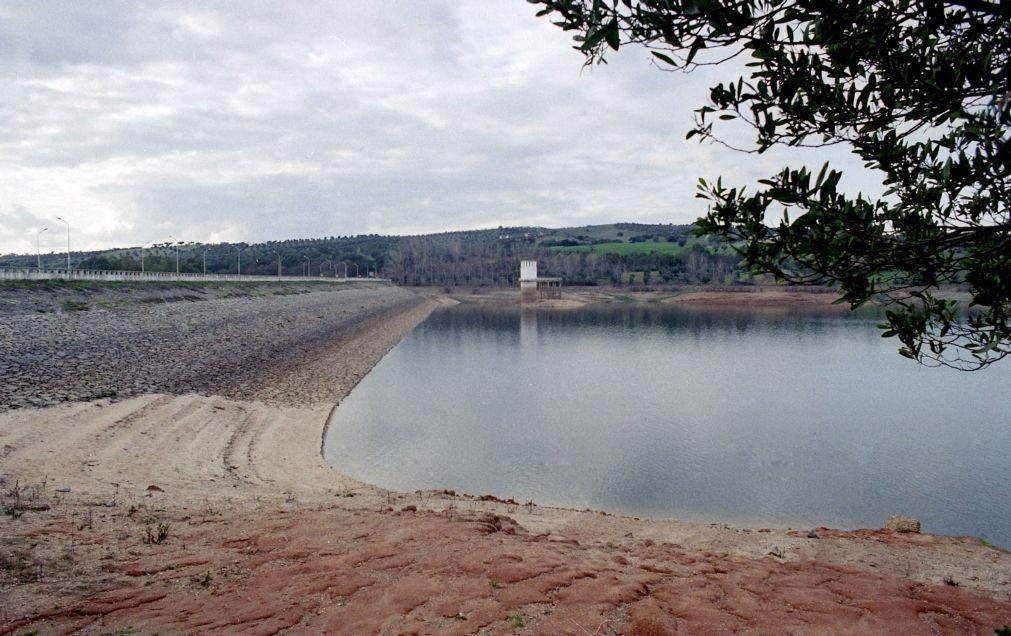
(625, 248)
(660, 247)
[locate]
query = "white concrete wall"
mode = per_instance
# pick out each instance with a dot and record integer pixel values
(528, 270)
(28, 273)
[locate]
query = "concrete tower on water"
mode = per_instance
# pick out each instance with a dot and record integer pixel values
(528, 280)
(533, 286)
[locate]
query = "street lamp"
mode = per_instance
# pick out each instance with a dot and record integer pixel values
(38, 253)
(239, 252)
(177, 243)
(308, 265)
(356, 269)
(68, 240)
(142, 257)
(278, 264)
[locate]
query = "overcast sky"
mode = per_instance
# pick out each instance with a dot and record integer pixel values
(251, 121)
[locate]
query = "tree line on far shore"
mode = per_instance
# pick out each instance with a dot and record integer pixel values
(616, 254)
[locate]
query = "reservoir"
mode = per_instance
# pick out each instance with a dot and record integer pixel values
(760, 417)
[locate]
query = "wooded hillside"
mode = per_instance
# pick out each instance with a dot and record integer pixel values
(615, 254)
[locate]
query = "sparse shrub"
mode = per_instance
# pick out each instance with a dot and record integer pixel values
(75, 305)
(203, 580)
(89, 523)
(156, 533)
(20, 566)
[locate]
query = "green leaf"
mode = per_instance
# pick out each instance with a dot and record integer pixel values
(665, 58)
(613, 36)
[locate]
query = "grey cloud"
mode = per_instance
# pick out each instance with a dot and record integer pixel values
(262, 120)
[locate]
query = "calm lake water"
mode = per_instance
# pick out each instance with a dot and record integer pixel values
(785, 418)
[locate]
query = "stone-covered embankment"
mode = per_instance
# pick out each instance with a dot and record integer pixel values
(249, 346)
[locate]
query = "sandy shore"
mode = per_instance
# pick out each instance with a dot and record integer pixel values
(261, 536)
(751, 297)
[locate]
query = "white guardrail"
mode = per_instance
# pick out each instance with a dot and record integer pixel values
(31, 273)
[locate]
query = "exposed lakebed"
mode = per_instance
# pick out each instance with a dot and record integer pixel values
(783, 417)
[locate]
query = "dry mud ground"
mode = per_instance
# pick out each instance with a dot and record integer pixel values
(207, 514)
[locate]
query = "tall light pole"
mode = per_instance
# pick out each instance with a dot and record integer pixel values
(176, 243)
(356, 269)
(38, 252)
(345, 271)
(68, 240)
(239, 252)
(278, 264)
(142, 258)
(308, 266)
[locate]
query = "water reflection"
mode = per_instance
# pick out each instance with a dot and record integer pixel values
(773, 417)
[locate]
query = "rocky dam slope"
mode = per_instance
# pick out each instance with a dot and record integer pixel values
(243, 342)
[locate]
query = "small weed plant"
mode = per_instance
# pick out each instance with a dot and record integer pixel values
(156, 532)
(75, 305)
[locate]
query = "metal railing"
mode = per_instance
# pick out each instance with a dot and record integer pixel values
(31, 273)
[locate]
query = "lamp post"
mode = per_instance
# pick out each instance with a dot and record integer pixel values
(308, 265)
(278, 264)
(239, 252)
(68, 240)
(142, 257)
(345, 271)
(356, 269)
(169, 244)
(38, 253)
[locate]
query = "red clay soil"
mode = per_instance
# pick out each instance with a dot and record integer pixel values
(342, 571)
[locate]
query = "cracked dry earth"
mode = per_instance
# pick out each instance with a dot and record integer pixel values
(337, 570)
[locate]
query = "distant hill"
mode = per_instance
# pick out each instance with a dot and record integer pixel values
(618, 253)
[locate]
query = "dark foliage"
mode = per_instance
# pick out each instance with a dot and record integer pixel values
(919, 90)
(299, 257)
(461, 259)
